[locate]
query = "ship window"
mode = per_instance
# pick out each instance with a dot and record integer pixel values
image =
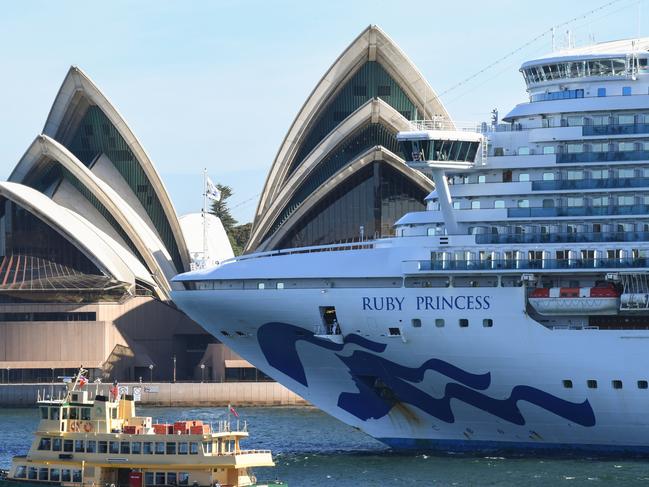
(159, 478)
(159, 448)
(45, 444)
(193, 448)
(171, 478)
(575, 202)
(125, 447)
(416, 323)
(182, 448)
(57, 444)
(183, 478)
(475, 205)
(91, 446)
(617, 384)
(487, 322)
(171, 448)
(575, 175)
(42, 473)
(482, 179)
(44, 413)
(261, 285)
(85, 414)
(113, 447)
(55, 475)
(439, 322)
(626, 91)
(102, 447)
(54, 414)
(147, 448)
(591, 383)
(523, 178)
(394, 332)
(280, 285)
(523, 203)
(32, 473)
(601, 91)
(625, 173)
(523, 151)
(456, 205)
(463, 322)
(136, 447)
(21, 472)
(67, 445)
(499, 204)
(567, 383)
(76, 475)
(642, 384)
(548, 176)
(148, 478)
(79, 447)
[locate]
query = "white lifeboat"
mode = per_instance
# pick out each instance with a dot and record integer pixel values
(599, 300)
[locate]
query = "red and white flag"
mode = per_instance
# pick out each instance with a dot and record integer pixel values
(82, 382)
(234, 411)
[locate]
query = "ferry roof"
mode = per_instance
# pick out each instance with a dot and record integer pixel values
(594, 51)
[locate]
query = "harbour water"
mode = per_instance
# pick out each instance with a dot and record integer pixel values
(313, 449)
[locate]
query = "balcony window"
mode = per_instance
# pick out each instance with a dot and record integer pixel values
(523, 151)
(456, 205)
(601, 91)
(523, 203)
(548, 203)
(625, 119)
(626, 146)
(599, 147)
(548, 176)
(524, 177)
(549, 149)
(575, 175)
(599, 120)
(575, 121)
(625, 173)
(600, 201)
(575, 202)
(626, 91)
(499, 204)
(625, 200)
(482, 179)
(475, 205)
(575, 148)
(599, 174)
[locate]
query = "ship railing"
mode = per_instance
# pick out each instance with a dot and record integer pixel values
(532, 264)
(574, 237)
(252, 452)
(225, 426)
(445, 124)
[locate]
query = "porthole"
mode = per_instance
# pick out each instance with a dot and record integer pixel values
(567, 383)
(487, 322)
(642, 384)
(439, 322)
(617, 384)
(416, 323)
(464, 323)
(591, 383)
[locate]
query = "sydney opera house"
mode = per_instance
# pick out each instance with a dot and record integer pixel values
(89, 242)
(337, 176)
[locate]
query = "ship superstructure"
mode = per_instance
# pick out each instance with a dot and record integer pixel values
(513, 313)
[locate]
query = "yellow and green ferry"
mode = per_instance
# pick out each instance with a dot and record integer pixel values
(100, 442)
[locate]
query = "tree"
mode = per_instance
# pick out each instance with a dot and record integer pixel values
(237, 234)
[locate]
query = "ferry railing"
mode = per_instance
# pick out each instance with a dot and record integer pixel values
(533, 264)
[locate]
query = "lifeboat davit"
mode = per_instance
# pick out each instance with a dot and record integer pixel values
(600, 300)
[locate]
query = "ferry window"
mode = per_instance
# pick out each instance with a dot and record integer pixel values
(642, 384)
(113, 447)
(207, 447)
(499, 204)
(626, 91)
(182, 448)
(487, 322)
(147, 448)
(45, 444)
(617, 384)
(463, 322)
(171, 478)
(65, 413)
(55, 475)
(548, 149)
(159, 478)
(439, 322)
(67, 445)
(159, 448)
(193, 448)
(56, 444)
(416, 323)
(74, 413)
(148, 478)
(32, 473)
(475, 205)
(601, 91)
(567, 383)
(76, 475)
(79, 447)
(171, 448)
(85, 414)
(102, 447)
(21, 472)
(183, 478)
(66, 475)
(125, 447)
(113, 413)
(54, 414)
(136, 447)
(261, 285)
(280, 285)
(91, 446)
(548, 176)
(482, 179)
(44, 413)
(42, 473)
(523, 178)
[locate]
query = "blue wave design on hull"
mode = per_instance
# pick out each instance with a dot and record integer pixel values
(382, 383)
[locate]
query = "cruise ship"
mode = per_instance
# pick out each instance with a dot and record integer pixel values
(512, 314)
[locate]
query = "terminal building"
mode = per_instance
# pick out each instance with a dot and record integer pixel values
(89, 243)
(337, 176)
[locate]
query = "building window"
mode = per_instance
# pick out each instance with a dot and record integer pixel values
(567, 383)
(601, 91)
(591, 383)
(487, 322)
(548, 203)
(439, 322)
(113, 447)
(642, 384)
(193, 448)
(416, 323)
(617, 384)
(136, 448)
(475, 205)
(148, 478)
(626, 91)
(600, 201)
(464, 323)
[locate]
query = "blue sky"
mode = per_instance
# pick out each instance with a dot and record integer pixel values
(217, 84)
